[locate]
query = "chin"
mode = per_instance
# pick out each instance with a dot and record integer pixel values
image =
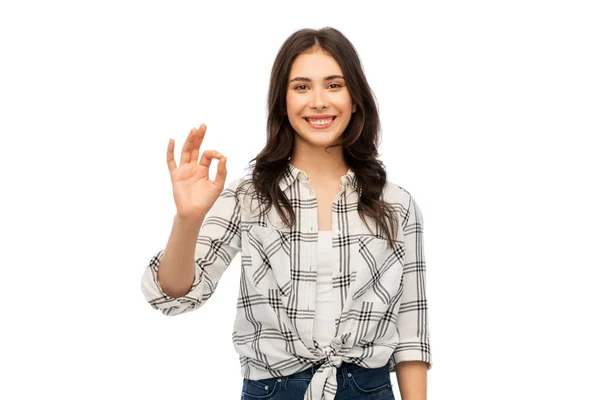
(323, 139)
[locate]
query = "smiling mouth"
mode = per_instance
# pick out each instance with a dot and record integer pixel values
(320, 123)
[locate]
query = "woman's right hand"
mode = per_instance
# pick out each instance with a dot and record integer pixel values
(194, 193)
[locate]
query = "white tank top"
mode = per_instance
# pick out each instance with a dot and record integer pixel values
(325, 307)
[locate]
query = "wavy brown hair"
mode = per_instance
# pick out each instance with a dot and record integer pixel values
(359, 140)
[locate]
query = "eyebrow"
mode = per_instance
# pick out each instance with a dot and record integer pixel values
(305, 79)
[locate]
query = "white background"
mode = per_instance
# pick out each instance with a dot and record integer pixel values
(490, 118)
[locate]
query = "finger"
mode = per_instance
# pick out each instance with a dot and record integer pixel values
(207, 157)
(221, 172)
(170, 157)
(198, 139)
(188, 146)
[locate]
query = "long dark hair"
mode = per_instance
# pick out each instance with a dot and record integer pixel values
(359, 141)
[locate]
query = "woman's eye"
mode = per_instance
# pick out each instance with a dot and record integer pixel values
(332, 85)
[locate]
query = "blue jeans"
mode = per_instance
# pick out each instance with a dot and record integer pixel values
(354, 383)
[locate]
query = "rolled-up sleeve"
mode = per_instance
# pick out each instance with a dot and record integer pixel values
(219, 241)
(413, 322)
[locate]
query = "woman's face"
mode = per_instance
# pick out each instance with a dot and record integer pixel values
(318, 103)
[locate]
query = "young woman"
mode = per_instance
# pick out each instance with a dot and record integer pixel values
(332, 289)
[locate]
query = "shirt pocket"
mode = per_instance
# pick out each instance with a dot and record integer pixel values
(268, 268)
(378, 270)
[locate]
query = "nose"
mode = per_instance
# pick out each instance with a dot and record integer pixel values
(319, 99)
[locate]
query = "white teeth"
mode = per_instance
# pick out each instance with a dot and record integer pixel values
(320, 121)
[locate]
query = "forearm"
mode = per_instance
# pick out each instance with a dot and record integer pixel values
(412, 380)
(176, 268)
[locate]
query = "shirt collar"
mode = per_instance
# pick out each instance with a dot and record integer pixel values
(292, 173)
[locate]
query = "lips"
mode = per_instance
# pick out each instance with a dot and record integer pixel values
(321, 122)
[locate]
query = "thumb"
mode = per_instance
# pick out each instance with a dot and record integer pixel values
(221, 171)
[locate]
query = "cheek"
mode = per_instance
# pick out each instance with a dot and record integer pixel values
(291, 102)
(349, 103)
(344, 102)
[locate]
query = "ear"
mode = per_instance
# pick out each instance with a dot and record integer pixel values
(354, 107)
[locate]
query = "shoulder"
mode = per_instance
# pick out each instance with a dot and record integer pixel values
(238, 183)
(242, 189)
(404, 204)
(394, 193)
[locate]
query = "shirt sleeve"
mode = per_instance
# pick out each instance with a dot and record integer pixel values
(412, 322)
(219, 241)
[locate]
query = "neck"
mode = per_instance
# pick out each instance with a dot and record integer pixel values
(317, 163)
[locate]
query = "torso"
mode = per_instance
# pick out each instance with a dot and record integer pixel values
(325, 193)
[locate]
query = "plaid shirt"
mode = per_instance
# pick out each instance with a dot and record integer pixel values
(381, 290)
